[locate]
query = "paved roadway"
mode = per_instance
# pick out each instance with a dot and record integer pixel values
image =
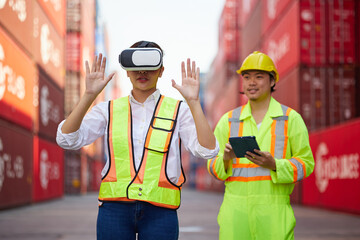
(74, 218)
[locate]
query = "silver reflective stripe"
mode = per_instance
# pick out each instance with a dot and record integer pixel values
(280, 133)
(250, 172)
(212, 162)
(235, 122)
(300, 170)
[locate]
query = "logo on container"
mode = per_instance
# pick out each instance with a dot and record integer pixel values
(18, 6)
(9, 80)
(277, 50)
(49, 53)
(48, 110)
(10, 168)
(327, 168)
(48, 170)
(271, 8)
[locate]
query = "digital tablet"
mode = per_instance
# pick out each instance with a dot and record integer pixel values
(241, 145)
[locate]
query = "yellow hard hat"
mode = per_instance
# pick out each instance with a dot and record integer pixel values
(259, 61)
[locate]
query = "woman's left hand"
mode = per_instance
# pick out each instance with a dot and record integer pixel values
(190, 86)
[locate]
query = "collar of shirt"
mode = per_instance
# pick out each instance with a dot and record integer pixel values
(154, 96)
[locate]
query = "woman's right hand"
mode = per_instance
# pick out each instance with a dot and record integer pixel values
(95, 78)
(228, 152)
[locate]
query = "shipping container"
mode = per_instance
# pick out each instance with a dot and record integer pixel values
(73, 51)
(282, 43)
(341, 31)
(337, 174)
(72, 172)
(87, 33)
(48, 47)
(18, 22)
(246, 10)
(72, 91)
(95, 168)
(55, 11)
(73, 15)
(251, 32)
(16, 158)
(51, 107)
(272, 11)
(48, 170)
(16, 83)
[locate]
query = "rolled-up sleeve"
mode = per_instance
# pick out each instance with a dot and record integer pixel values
(189, 138)
(92, 127)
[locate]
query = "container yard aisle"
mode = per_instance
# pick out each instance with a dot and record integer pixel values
(74, 218)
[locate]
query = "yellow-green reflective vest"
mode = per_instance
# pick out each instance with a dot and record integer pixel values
(149, 182)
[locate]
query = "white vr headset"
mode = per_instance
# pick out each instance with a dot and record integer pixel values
(140, 59)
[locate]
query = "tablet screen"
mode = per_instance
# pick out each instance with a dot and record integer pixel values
(241, 145)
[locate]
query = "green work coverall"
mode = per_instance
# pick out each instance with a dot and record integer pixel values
(256, 202)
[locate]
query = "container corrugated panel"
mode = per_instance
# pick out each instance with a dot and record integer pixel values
(18, 22)
(251, 32)
(87, 33)
(51, 107)
(246, 10)
(72, 172)
(313, 97)
(336, 152)
(313, 33)
(282, 42)
(48, 170)
(48, 47)
(73, 50)
(341, 31)
(341, 90)
(72, 91)
(56, 11)
(17, 77)
(16, 157)
(73, 15)
(272, 11)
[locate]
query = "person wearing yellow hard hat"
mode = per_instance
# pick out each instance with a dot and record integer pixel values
(260, 178)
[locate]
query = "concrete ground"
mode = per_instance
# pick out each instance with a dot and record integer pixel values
(74, 218)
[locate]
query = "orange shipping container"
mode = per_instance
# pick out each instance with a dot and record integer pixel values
(55, 10)
(18, 21)
(48, 48)
(17, 76)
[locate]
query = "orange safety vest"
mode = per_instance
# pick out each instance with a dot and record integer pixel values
(149, 182)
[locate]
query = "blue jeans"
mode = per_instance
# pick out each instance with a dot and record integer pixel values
(122, 220)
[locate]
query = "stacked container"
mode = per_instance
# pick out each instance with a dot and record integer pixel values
(31, 100)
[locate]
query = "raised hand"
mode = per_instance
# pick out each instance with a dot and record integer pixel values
(190, 85)
(95, 78)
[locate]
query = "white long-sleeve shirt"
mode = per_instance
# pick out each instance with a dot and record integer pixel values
(95, 122)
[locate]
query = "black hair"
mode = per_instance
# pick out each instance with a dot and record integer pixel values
(146, 44)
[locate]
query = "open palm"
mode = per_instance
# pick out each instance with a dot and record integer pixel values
(190, 85)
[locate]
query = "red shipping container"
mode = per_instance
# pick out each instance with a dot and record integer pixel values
(48, 170)
(16, 151)
(51, 107)
(251, 32)
(282, 43)
(55, 11)
(73, 50)
(313, 33)
(246, 10)
(72, 172)
(18, 21)
(17, 76)
(341, 31)
(87, 33)
(272, 11)
(48, 47)
(341, 90)
(336, 178)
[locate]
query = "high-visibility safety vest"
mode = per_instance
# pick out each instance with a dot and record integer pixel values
(149, 183)
(256, 196)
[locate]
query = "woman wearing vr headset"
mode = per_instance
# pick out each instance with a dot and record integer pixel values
(143, 175)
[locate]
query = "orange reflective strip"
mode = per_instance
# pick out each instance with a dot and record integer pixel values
(241, 124)
(245, 165)
(132, 167)
(213, 168)
(111, 175)
(163, 181)
(295, 171)
(286, 132)
(303, 165)
(273, 138)
(158, 106)
(140, 177)
(248, 179)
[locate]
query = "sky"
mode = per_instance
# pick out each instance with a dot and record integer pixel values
(183, 29)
